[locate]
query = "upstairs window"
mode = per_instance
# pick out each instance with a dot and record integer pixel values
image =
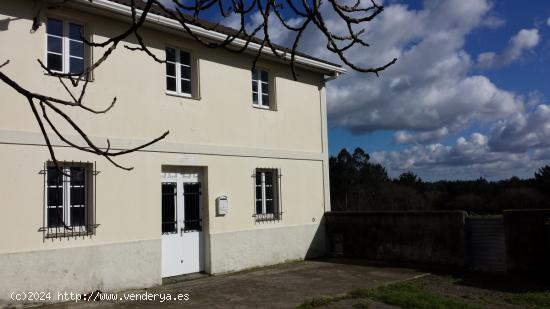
(65, 46)
(69, 204)
(260, 89)
(178, 72)
(267, 195)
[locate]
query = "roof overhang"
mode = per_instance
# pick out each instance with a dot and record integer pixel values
(124, 10)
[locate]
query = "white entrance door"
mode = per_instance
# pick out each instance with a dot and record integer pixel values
(182, 236)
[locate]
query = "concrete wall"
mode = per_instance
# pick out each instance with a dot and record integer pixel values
(423, 237)
(527, 240)
(218, 130)
(100, 267)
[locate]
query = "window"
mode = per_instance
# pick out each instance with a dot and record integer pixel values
(260, 88)
(68, 201)
(178, 72)
(65, 46)
(266, 192)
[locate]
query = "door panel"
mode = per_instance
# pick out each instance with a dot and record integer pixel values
(182, 237)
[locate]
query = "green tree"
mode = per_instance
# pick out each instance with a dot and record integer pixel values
(409, 179)
(542, 179)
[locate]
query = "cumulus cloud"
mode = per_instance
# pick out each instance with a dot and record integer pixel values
(523, 131)
(430, 89)
(524, 40)
(468, 159)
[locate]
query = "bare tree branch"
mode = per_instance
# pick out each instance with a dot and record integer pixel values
(308, 13)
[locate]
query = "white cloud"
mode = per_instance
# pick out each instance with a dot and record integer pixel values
(523, 131)
(429, 89)
(467, 159)
(524, 40)
(493, 22)
(548, 21)
(432, 92)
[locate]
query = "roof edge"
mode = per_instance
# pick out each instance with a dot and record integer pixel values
(114, 7)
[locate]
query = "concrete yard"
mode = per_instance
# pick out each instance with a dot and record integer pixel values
(280, 286)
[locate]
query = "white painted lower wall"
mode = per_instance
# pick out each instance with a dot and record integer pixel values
(265, 246)
(81, 269)
(125, 252)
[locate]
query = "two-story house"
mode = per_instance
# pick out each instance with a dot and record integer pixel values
(241, 180)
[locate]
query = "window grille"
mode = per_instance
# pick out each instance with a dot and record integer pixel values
(169, 208)
(69, 200)
(192, 218)
(267, 195)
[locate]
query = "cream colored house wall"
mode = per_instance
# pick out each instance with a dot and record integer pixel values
(220, 131)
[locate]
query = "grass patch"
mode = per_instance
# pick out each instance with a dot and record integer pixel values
(316, 302)
(410, 295)
(407, 295)
(531, 300)
(361, 306)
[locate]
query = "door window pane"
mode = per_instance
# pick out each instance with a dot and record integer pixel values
(169, 216)
(192, 219)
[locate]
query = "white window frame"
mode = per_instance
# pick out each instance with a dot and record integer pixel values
(178, 77)
(66, 191)
(65, 45)
(259, 92)
(261, 173)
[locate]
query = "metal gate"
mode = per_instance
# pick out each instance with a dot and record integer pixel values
(487, 248)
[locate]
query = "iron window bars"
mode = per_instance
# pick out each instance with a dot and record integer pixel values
(267, 195)
(69, 200)
(192, 220)
(169, 208)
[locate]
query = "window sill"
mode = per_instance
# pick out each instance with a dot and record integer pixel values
(90, 80)
(265, 108)
(181, 95)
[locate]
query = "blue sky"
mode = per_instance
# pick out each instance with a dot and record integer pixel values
(469, 96)
(512, 143)
(529, 75)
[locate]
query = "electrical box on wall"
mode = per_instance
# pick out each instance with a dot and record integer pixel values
(222, 205)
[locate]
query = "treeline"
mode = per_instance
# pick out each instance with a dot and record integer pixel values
(357, 184)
